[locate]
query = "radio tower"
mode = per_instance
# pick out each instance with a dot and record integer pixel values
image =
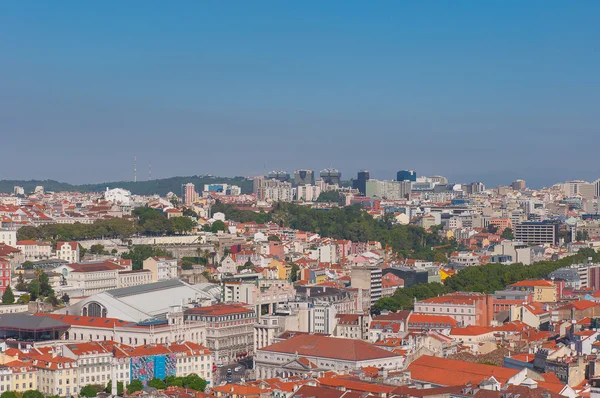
(135, 169)
(149, 171)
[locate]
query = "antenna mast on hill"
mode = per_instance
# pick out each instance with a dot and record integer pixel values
(135, 169)
(149, 171)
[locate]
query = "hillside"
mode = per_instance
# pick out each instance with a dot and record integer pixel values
(159, 186)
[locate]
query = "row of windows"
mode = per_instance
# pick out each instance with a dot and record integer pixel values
(18, 386)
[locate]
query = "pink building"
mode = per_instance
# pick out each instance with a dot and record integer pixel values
(469, 309)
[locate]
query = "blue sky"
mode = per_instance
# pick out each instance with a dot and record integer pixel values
(473, 90)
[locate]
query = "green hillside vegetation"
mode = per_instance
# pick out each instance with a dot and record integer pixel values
(150, 222)
(159, 186)
(484, 279)
(350, 223)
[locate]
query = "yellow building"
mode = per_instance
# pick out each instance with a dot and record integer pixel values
(542, 291)
(284, 271)
(24, 376)
(444, 274)
(57, 375)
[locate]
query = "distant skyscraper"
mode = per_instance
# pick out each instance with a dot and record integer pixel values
(406, 175)
(331, 176)
(519, 185)
(189, 193)
(304, 177)
(438, 180)
(279, 175)
(361, 182)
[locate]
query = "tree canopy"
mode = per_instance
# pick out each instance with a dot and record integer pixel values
(329, 197)
(90, 390)
(138, 253)
(349, 222)
(485, 278)
(8, 297)
(120, 388)
(134, 386)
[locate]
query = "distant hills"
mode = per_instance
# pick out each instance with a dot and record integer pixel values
(151, 187)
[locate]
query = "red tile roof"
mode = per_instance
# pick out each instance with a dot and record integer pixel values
(449, 372)
(533, 283)
(311, 345)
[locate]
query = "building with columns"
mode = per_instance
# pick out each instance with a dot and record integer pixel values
(311, 355)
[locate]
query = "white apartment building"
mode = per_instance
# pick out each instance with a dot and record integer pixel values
(68, 251)
(162, 268)
(391, 190)
(367, 278)
(90, 278)
(34, 250)
(8, 236)
(307, 193)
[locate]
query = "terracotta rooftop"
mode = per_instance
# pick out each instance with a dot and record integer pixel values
(311, 345)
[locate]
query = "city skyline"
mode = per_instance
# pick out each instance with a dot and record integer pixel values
(486, 92)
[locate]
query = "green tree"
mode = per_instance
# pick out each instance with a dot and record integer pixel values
(173, 381)
(134, 386)
(34, 289)
(187, 265)
(21, 284)
(157, 383)
(8, 394)
(190, 213)
(138, 253)
(273, 238)
(181, 225)
(97, 249)
(32, 394)
(508, 234)
(492, 229)
(8, 297)
(295, 273)
(24, 299)
(82, 252)
(90, 390)
(27, 265)
(218, 226)
(194, 382)
(329, 197)
(120, 388)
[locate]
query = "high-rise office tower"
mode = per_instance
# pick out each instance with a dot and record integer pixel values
(406, 175)
(519, 185)
(279, 175)
(361, 182)
(331, 176)
(304, 177)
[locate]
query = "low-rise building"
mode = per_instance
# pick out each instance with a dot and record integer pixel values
(467, 308)
(68, 251)
(162, 268)
(311, 354)
(542, 291)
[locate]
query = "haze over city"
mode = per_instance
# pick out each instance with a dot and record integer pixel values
(476, 91)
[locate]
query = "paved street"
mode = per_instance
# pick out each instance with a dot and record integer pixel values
(236, 376)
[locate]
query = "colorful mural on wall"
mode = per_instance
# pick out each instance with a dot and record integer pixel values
(147, 368)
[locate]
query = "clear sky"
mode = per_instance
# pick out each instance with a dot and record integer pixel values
(473, 90)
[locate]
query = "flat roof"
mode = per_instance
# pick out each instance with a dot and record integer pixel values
(30, 322)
